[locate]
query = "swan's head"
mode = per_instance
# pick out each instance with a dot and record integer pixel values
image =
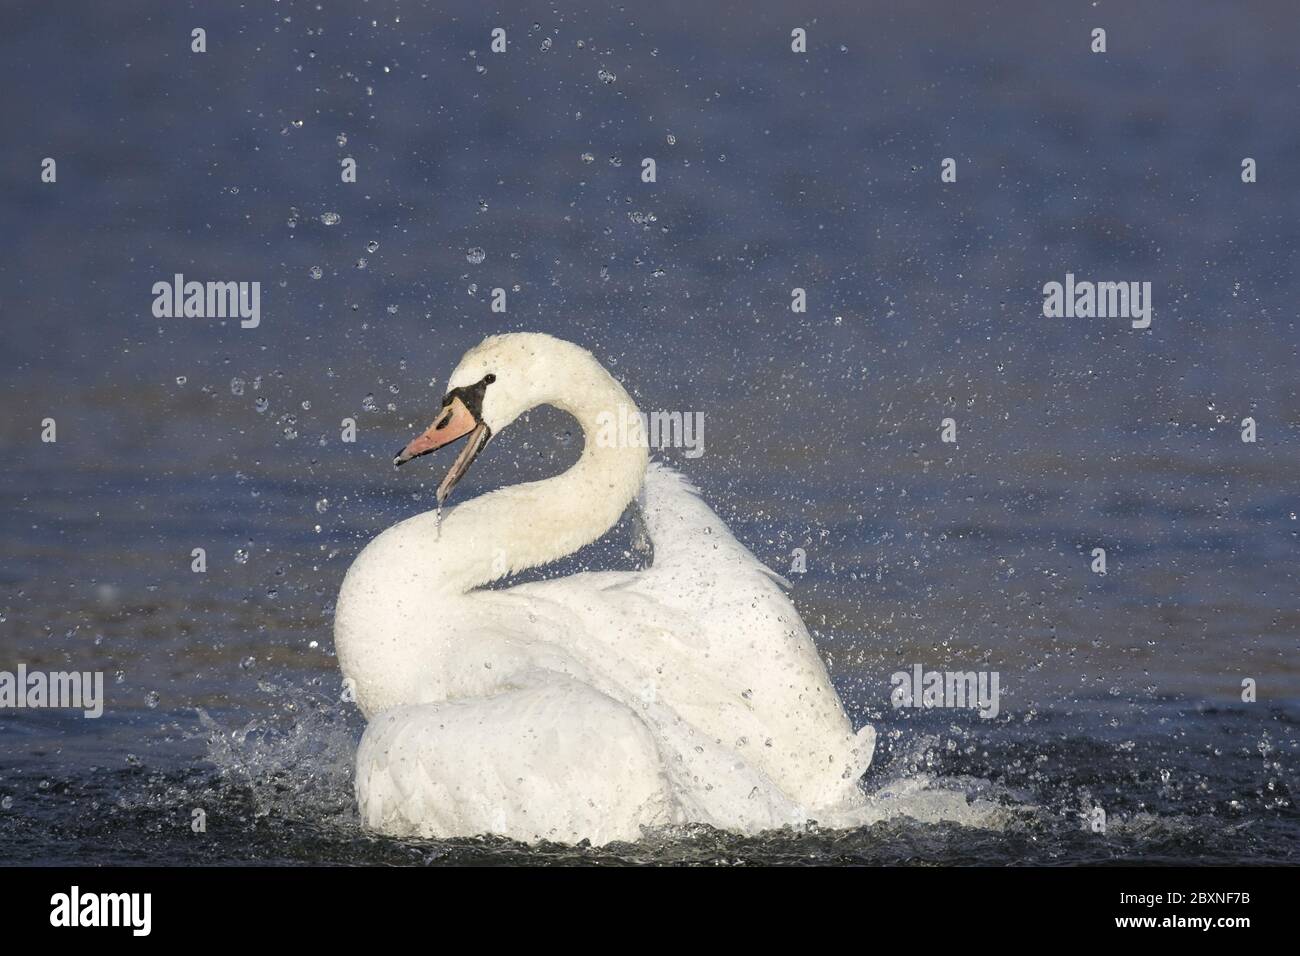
(497, 381)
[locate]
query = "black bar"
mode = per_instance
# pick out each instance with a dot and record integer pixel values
(930, 906)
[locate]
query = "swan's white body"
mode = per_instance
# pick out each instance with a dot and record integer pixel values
(591, 706)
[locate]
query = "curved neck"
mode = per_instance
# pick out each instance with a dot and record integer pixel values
(531, 524)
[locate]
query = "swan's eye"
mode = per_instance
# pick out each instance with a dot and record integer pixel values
(489, 378)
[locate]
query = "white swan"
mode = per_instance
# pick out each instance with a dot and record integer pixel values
(591, 706)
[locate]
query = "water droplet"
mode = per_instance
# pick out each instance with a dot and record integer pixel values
(151, 699)
(607, 77)
(316, 272)
(260, 405)
(672, 140)
(181, 380)
(475, 256)
(341, 139)
(330, 218)
(372, 245)
(322, 506)
(236, 386)
(368, 403)
(588, 158)
(241, 556)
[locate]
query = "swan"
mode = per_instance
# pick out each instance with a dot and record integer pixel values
(592, 707)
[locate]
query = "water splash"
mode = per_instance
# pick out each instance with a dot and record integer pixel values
(295, 762)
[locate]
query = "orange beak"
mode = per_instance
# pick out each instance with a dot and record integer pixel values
(455, 421)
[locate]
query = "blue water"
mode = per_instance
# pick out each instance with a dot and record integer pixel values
(818, 171)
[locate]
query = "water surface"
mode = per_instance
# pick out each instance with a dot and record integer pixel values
(822, 430)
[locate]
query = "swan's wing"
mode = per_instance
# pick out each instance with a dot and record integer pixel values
(754, 633)
(710, 632)
(688, 536)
